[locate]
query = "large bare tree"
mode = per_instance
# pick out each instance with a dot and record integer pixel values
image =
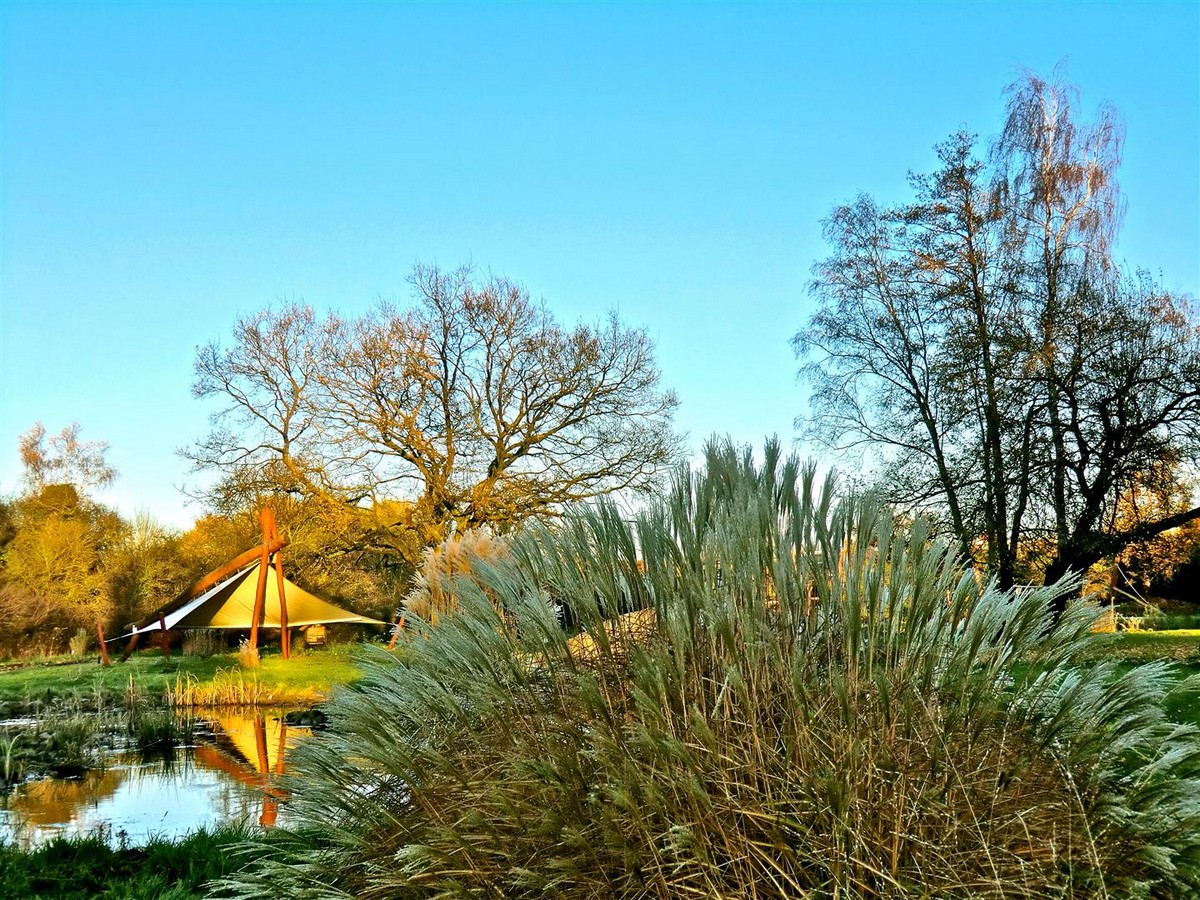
(980, 343)
(469, 406)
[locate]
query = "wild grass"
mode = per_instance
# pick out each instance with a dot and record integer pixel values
(228, 687)
(12, 765)
(248, 656)
(92, 867)
(79, 642)
(157, 731)
(64, 741)
(305, 679)
(828, 706)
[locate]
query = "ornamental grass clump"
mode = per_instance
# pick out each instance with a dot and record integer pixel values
(826, 705)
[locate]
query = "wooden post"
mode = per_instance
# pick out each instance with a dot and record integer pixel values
(285, 638)
(396, 633)
(103, 647)
(260, 593)
(166, 646)
(131, 646)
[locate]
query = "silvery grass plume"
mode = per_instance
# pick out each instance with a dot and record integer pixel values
(827, 705)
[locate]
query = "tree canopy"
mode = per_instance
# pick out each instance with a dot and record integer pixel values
(469, 406)
(981, 344)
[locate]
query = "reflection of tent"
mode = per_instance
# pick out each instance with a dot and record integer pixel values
(242, 748)
(230, 604)
(258, 742)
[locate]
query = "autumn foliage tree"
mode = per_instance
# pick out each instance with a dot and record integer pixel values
(470, 406)
(981, 344)
(54, 576)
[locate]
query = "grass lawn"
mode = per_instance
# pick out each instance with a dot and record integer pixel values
(1145, 646)
(306, 678)
(1181, 647)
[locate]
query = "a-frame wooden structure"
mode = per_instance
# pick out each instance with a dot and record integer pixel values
(265, 554)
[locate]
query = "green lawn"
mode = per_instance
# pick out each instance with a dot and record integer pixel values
(1144, 646)
(1181, 647)
(307, 677)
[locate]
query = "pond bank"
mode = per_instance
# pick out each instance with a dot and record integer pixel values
(92, 867)
(306, 679)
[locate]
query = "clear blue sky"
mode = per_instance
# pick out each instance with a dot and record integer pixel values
(168, 167)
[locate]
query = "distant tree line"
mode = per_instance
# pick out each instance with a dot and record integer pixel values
(68, 563)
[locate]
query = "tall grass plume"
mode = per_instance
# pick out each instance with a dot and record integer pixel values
(810, 700)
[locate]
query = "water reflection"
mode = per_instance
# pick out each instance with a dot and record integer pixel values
(228, 772)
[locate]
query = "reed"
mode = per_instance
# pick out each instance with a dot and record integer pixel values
(12, 766)
(248, 656)
(826, 705)
(228, 687)
(79, 642)
(157, 731)
(64, 741)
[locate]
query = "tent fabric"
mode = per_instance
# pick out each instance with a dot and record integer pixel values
(230, 604)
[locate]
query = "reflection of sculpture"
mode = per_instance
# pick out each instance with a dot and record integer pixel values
(233, 770)
(243, 748)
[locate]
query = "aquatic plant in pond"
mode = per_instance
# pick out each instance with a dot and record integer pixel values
(157, 731)
(63, 741)
(826, 705)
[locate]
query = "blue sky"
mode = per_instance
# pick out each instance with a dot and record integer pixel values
(168, 167)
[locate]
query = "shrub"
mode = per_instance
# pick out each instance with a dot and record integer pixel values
(79, 641)
(827, 705)
(248, 656)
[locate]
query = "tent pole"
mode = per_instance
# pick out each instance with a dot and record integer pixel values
(260, 594)
(398, 626)
(103, 647)
(133, 642)
(285, 639)
(166, 647)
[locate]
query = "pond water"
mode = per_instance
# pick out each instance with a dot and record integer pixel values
(227, 772)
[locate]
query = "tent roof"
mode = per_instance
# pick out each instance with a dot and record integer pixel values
(230, 604)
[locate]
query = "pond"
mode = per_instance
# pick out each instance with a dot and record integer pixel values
(226, 772)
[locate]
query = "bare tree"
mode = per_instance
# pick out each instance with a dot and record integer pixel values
(63, 459)
(981, 343)
(471, 406)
